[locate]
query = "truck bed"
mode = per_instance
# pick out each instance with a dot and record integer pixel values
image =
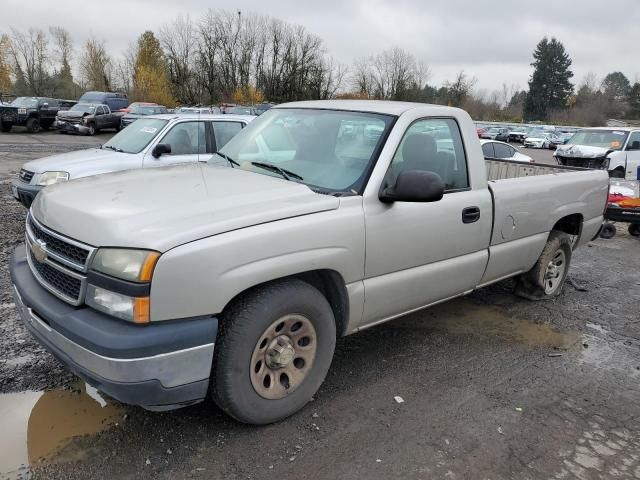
(504, 169)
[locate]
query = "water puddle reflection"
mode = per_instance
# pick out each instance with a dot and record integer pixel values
(36, 425)
(464, 317)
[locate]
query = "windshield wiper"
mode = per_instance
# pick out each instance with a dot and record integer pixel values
(286, 174)
(231, 161)
(112, 148)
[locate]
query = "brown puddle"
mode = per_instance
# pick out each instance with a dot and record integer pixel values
(465, 317)
(36, 425)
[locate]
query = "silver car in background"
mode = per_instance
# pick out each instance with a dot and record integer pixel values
(152, 141)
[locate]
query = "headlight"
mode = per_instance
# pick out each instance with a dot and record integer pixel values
(49, 178)
(127, 264)
(132, 309)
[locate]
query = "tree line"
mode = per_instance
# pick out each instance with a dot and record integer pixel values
(226, 56)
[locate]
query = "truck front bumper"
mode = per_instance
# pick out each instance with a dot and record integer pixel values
(158, 366)
(24, 193)
(72, 127)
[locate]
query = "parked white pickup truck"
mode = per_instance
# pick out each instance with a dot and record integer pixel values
(153, 141)
(614, 149)
(162, 286)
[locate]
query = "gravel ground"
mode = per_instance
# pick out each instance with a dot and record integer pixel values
(494, 387)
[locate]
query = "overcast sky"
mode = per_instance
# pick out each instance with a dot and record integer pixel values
(491, 40)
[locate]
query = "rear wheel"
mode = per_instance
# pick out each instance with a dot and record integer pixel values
(546, 279)
(608, 231)
(273, 351)
(6, 126)
(33, 125)
(634, 229)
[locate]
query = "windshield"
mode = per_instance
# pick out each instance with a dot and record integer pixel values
(25, 102)
(331, 150)
(538, 134)
(137, 136)
(148, 109)
(240, 110)
(609, 139)
(83, 107)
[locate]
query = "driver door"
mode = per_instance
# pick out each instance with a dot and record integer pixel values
(189, 143)
(421, 253)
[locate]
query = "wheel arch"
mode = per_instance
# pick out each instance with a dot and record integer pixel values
(329, 282)
(570, 224)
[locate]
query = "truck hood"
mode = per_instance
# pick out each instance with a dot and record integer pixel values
(160, 208)
(68, 114)
(83, 162)
(581, 151)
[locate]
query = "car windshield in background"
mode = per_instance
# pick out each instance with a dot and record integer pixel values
(134, 138)
(240, 111)
(538, 134)
(609, 139)
(25, 102)
(148, 110)
(83, 107)
(331, 150)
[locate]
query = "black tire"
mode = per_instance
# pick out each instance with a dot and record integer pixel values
(242, 326)
(634, 229)
(33, 125)
(617, 173)
(6, 127)
(92, 129)
(608, 231)
(534, 284)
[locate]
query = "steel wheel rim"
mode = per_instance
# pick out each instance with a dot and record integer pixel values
(283, 356)
(555, 272)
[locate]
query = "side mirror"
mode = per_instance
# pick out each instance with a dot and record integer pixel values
(414, 186)
(160, 149)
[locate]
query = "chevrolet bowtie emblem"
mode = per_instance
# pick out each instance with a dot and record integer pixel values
(39, 250)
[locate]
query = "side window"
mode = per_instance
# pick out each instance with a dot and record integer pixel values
(434, 145)
(634, 141)
(487, 150)
(502, 151)
(225, 131)
(99, 111)
(186, 138)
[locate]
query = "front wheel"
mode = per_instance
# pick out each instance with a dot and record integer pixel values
(273, 351)
(91, 129)
(546, 279)
(33, 125)
(6, 126)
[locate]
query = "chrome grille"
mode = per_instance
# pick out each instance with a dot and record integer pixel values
(60, 264)
(25, 175)
(70, 252)
(62, 282)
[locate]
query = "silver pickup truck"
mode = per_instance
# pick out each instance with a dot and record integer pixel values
(161, 287)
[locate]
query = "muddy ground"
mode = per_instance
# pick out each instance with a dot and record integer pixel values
(494, 387)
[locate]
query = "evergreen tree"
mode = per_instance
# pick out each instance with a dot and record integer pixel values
(616, 86)
(633, 100)
(549, 86)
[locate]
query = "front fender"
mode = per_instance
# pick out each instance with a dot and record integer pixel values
(202, 277)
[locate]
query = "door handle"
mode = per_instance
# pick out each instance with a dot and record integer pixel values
(470, 215)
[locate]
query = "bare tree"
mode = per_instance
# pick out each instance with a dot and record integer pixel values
(180, 46)
(96, 66)
(460, 88)
(391, 75)
(30, 57)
